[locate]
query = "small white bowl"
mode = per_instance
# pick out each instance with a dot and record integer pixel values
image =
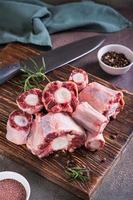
(119, 49)
(17, 177)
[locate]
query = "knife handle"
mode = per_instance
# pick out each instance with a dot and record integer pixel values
(8, 71)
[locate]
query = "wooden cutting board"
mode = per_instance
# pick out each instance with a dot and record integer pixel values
(53, 167)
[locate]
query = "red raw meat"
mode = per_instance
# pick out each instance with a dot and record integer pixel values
(94, 142)
(80, 77)
(18, 127)
(30, 101)
(53, 132)
(60, 96)
(105, 100)
(89, 118)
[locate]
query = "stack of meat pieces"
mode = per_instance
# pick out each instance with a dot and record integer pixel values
(77, 114)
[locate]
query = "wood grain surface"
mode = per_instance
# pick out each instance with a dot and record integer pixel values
(53, 167)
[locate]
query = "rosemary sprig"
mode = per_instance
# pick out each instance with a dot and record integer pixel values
(78, 173)
(4, 120)
(32, 79)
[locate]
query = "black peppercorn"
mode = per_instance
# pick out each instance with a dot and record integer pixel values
(114, 59)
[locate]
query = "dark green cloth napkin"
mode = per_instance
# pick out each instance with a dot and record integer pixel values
(32, 21)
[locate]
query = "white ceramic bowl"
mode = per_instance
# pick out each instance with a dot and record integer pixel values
(119, 49)
(17, 177)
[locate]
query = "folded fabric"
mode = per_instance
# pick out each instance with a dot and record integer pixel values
(32, 21)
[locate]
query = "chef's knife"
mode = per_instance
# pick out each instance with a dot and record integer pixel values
(55, 58)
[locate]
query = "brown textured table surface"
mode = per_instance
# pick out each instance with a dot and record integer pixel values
(119, 182)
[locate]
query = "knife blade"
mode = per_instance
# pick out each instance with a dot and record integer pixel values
(54, 58)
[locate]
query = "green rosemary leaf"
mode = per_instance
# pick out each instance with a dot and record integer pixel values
(18, 83)
(32, 79)
(35, 64)
(19, 92)
(44, 65)
(4, 120)
(78, 173)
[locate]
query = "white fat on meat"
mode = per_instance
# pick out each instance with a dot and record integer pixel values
(15, 136)
(105, 100)
(94, 142)
(78, 78)
(53, 132)
(89, 118)
(20, 120)
(60, 143)
(31, 99)
(59, 122)
(62, 95)
(36, 138)
(18, 127)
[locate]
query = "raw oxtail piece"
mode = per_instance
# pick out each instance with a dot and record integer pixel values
(53, 132)
(60, 96)
(80, 77)
(94, 142)
(18, 127)
(89, 118)
(105, 100)
(30, 101)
